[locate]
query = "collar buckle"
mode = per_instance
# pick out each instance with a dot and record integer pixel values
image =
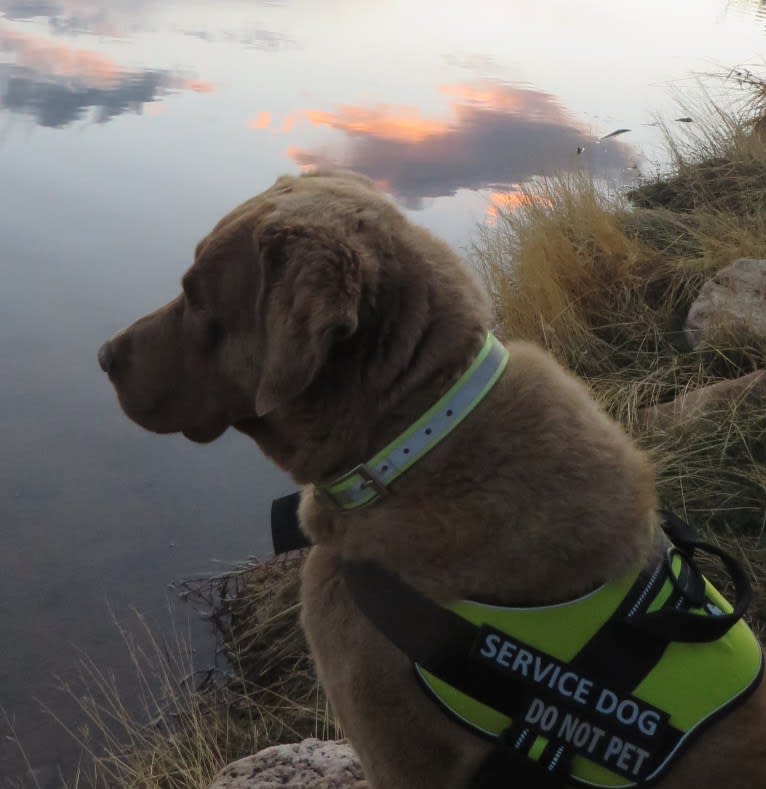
(371, 481)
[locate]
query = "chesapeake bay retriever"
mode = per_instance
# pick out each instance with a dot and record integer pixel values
(319, 321)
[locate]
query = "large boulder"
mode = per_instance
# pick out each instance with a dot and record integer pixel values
(734, 299)
(311, 764)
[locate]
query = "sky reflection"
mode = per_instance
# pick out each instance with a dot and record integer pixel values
(57, 84)
(493, 134)
(452, 106)
(57, 102)
(506, 113)
(90, 17)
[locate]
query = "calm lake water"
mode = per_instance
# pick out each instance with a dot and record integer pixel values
(128, 127)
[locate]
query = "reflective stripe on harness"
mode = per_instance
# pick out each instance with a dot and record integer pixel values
(605, 690)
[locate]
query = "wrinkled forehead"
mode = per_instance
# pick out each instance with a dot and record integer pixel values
(327, 199)
(318, 197)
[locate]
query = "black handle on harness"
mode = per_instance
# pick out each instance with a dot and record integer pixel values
(286, 531)
(674, 625)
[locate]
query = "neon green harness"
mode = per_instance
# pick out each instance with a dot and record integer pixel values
(618, 739)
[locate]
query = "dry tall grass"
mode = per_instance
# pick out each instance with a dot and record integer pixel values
(173, 729)
(605, 282)
(177, 726)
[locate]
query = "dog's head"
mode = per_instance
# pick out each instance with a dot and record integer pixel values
(316, 283)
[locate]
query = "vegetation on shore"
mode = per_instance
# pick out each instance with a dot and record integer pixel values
(604, 282)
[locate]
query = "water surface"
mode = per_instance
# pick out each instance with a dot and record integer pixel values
(128, 127)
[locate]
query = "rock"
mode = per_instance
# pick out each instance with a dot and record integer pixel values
(311, 764)
(707, 402)
(735, 298)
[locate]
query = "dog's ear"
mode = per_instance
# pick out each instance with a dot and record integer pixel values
(309, 300)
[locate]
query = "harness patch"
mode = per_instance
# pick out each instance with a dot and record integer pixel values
(618, 731)
(605, 690)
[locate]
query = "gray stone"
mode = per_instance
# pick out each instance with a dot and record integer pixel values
(311, 764)
(734, 299)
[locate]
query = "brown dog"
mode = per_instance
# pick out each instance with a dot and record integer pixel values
(317, 320)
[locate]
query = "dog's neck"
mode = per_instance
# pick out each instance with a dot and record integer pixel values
(411, 344)
(332, 428)
(368, 482)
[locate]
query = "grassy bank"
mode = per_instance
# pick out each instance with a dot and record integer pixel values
(604, 282)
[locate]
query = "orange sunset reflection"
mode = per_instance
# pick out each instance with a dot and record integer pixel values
(47, 56)
(397, 124)
(489, 135)
(261, 121)
(499, 203)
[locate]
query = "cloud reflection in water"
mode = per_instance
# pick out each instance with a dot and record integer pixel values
(495, 134)
(56, 84)
(55, 102)
(95, 17)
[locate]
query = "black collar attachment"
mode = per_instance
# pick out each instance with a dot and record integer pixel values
(286, 534)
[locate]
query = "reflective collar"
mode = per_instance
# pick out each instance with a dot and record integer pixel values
(368, 482)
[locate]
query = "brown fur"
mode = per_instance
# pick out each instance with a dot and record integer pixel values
(319, 321)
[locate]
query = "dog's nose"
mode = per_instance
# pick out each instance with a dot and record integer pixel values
(106, 357)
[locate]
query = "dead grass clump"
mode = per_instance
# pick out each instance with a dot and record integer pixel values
(720, 184)
(172, 729)
(605, 283)
(255, 613)
(711, 468)
(563, 272)
(177, 726)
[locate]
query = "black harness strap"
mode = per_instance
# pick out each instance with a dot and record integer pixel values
(286, 534)
(432, 636)
(603, 655)
(503, 761)
(441, 642)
